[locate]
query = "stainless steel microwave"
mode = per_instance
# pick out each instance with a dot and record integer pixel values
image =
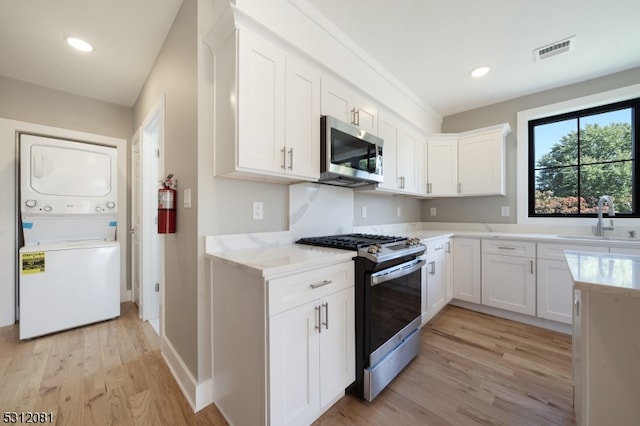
(349, 156)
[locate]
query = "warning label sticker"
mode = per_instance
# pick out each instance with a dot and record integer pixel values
(32, 263)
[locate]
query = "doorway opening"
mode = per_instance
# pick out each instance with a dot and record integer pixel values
(147, 250)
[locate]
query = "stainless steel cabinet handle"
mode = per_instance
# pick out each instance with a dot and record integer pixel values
(459, 187)
(353, 117)
(576, 304)
(284, 158)
(290, 158)
(531, 266)
(318, 319)
(428, 188)
(433, 268)
(320, 284)
(448, 246)
(326, 315)
(506, 248)
(358, 117)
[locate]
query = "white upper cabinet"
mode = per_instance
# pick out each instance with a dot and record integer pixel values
(442, 166)
(400, 150)
(467, 164)
(277, 108)
(261, 96)
(302, 119)
(389, 134)
(343, 103)
(482, 162)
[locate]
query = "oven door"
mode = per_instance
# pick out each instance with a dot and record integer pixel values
(395, 297)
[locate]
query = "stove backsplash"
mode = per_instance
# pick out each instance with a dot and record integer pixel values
(316, 210)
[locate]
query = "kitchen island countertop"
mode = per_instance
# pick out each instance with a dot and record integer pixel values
(605, 272)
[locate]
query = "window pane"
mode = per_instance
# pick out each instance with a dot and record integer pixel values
(606, 137)
(556, 144)
(612, 179)
(556, 191)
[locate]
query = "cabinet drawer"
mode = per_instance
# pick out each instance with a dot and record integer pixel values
(436, 247)
(556, 251)
(509, 248)
(294, 290)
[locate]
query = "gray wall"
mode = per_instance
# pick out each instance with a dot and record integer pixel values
(174, 74)
(36, 104)
(488, 209)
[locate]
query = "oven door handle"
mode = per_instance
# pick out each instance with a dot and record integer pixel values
(397, 271)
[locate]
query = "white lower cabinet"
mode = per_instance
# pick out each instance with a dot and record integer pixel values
(283, 348)
(466, 269)
(311, 358)
(509, 275)
(555, 285)
(435, 272)
(605, 358)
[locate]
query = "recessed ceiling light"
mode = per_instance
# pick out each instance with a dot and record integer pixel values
(79, 44)
(479, 71)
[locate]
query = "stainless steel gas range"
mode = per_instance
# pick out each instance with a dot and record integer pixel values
(388, 273)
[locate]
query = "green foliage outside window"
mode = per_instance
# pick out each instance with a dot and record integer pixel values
(576, 157)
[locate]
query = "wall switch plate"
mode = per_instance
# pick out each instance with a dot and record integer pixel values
(432, 211)
(399, 211)
(258, 210)
(186, 198)
(364, 211)
(505, 211)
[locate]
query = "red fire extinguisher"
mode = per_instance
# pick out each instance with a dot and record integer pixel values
(167, 199)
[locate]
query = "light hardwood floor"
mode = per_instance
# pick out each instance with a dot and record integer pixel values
(473, 369)
(106, 373)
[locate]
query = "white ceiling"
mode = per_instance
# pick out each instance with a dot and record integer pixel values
(432, 45)
(127, 36)
(429, 45)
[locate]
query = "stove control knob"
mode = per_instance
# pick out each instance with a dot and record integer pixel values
(377, 248)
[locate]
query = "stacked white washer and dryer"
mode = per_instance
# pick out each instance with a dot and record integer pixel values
(69, 265)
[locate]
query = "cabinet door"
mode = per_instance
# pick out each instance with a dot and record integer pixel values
(335, 101)
(448, 265)
(466, 269)
(337, 345)
(366, 116)
(555, 291)
(302, 120)
(389, 134)
(481, 164)
(442, 166)
(406, 152)
(509, 283)
(341, 102)
(421, 166)
(261, 74)
(436, 291)
(294, 389)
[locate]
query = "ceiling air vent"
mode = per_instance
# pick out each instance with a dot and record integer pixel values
(554, 49)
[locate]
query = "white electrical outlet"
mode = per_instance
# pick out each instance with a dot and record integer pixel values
(258, 210)
(399, 211)
(505, 211)
(432, 211)
(364, 212)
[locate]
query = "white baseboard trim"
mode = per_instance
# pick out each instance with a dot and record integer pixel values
(199, 395)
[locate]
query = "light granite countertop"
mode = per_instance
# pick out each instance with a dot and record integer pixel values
(617, 274)
(278, 260)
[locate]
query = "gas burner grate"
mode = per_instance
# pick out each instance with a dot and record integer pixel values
(349, 241)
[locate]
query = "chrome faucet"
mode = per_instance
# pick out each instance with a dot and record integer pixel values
(599, 229)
